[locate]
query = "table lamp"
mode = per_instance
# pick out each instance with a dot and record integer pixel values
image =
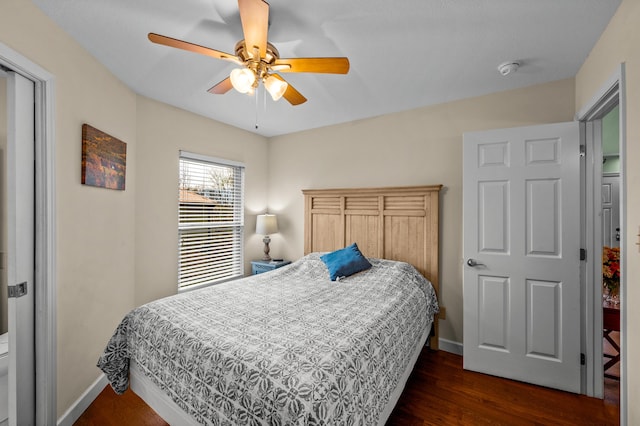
(266, 224)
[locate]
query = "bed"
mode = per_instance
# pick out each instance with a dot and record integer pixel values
(290, 346)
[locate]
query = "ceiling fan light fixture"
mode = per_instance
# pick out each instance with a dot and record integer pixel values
(275, 87)
(258, 60)
(242, 79)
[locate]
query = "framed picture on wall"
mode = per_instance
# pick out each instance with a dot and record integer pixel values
(104, 159)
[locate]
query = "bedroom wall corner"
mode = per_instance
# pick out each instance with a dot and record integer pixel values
(619, 44)
(417, 147)
(163, 131)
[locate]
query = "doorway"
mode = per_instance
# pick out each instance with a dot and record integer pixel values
(603, 169)
(611, 234)
(43, 285)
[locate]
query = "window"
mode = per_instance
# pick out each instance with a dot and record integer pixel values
(211, 220)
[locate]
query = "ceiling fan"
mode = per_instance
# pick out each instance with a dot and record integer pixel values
(259, 60)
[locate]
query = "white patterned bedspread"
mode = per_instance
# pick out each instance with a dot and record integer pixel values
(287, 347)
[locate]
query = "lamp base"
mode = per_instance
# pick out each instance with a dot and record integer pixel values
(266, 242)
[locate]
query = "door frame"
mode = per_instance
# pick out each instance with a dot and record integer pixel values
(45, 276)
(611, 93)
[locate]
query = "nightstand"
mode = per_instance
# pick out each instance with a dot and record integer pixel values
(260, 266)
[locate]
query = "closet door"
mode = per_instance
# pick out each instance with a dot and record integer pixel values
(20, 248)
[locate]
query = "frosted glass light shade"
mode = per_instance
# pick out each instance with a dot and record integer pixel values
(242, 79)
(266, 224)
(275, 87)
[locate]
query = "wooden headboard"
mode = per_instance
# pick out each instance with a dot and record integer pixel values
(396, 223)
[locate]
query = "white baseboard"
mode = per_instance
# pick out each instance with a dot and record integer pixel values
(77, 408)
(450, 346)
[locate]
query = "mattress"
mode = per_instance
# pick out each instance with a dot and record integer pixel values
(284, 347)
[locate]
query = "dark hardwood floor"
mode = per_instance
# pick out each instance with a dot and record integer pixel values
(439, 392)
(109, 409)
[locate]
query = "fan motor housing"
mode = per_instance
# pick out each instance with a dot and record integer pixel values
(245, 55)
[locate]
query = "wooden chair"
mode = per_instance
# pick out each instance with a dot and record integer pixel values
(611, 322)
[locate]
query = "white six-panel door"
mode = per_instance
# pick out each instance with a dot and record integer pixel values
(611, 210)
(521, 202)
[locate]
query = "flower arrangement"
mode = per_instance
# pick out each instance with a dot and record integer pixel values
(611, 269)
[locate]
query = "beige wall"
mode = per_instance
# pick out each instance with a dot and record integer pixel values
(422, 146)
(619, 43)
(94, 227)
(162, 132)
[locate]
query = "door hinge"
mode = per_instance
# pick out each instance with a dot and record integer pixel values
(18, 290)
(583, 359)
(583, 151)
(583, 254)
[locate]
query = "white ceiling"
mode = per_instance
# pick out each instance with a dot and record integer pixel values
(404, 54)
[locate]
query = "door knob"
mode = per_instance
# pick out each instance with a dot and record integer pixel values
(473, 262)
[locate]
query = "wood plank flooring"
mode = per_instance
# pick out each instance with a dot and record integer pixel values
(109, 409)
(439, 392)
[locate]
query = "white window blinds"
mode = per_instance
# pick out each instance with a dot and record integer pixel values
(211, 220)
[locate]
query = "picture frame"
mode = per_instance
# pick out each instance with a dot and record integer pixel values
(104, 159)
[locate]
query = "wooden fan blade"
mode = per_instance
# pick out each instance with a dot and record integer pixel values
(254, 15)
(291, 94)
(191, 47)
(221, 88)
(320, 65)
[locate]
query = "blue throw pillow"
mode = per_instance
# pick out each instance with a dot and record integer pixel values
(345, 262)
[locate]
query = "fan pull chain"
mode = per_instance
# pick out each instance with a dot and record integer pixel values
(257, 94)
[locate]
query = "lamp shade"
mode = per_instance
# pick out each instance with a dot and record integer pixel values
(266, 224)
(242, 79)
(275, 87)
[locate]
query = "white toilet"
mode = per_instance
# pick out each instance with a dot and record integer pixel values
(4, 378)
